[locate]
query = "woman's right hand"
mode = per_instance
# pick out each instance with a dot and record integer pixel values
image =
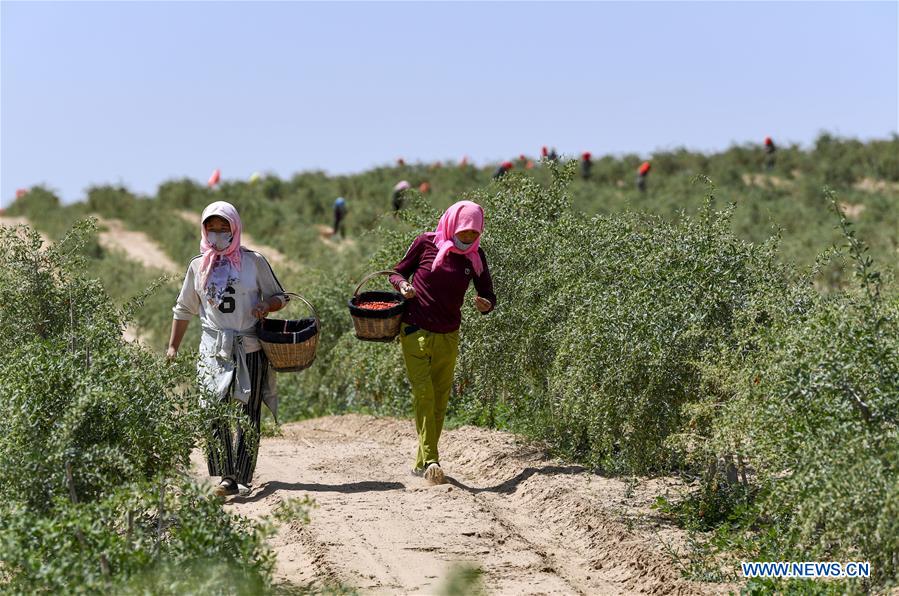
(179, 328)
(407, 290)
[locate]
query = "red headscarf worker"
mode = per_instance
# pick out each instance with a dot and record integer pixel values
(503, 169)
(441, 265)
(770, 150)
(642, 173)
(586, 165)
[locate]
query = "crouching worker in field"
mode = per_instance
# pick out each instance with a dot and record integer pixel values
(440, 264)
(229, 287)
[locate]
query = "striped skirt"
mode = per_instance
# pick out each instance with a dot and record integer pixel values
(223, 460)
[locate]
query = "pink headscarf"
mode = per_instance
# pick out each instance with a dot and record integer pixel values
(461, 216)
(210, 254)
(401, 185)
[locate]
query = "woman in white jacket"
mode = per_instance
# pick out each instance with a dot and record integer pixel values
(229, 287)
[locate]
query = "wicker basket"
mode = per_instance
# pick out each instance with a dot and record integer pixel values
(290, 345)
(377, 325)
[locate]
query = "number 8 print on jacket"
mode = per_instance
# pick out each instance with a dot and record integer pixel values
(255, 282)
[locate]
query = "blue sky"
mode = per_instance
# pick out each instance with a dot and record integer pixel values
(139, 92)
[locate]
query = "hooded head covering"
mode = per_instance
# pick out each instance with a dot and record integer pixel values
(401, 185)
(219, 267)
(461, 216)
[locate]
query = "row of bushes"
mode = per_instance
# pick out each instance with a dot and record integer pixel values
(280, 212)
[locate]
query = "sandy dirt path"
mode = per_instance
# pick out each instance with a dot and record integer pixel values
(9, 221)
(137, 246)
(338, 243)
(534, 525)
(767, 181)
(852, 211)
(877, 186)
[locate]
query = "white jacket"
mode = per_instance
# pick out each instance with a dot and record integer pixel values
(229, 332)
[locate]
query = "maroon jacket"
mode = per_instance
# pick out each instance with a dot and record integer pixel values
(439, 294)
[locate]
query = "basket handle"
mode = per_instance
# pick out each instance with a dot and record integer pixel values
(371, 275)
(318, 323)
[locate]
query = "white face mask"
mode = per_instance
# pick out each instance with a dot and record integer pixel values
(219, 240)
(461, 245)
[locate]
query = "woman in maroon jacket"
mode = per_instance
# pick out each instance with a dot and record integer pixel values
(441, 265)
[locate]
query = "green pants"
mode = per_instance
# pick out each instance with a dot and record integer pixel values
(430, 361)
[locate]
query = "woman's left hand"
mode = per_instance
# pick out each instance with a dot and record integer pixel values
(260, 310)
(482, 304)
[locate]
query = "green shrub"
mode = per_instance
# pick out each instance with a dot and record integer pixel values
(95, 446)
(809, 403)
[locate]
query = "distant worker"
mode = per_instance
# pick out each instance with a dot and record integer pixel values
(770, 150)
(502, 170)
(400, 162)
(424, 188)
(339, 215)
(642, 173)
(553, 156)
(544, 152)
(586, 165)
(397, 197)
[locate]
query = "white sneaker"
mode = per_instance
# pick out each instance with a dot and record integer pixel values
(434, 474)
(243, 490)
(225, 488)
